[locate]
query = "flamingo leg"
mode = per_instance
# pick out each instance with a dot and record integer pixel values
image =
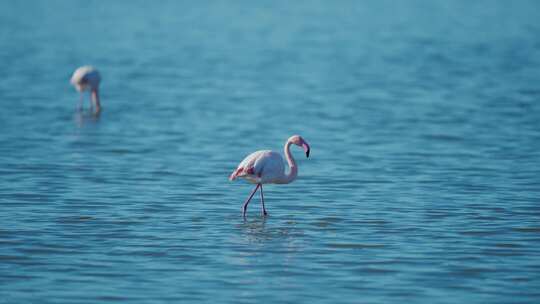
(95, 100)
(262, 201)
(91, 103)
(81, 100)
(244, 207)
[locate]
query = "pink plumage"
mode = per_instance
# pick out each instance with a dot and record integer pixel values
(268, 167)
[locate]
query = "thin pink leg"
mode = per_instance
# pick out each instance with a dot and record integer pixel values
(262, 201)
(244, 208)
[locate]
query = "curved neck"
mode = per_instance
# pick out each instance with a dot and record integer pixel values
(293, 172)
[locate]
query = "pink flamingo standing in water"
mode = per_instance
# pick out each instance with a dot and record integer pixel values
(268, 167)
(87, 78)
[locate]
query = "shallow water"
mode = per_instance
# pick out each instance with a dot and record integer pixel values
(423, 184)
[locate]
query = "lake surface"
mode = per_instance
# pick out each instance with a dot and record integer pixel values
(423, 183)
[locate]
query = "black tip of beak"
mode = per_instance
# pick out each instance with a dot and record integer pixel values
(307, 153)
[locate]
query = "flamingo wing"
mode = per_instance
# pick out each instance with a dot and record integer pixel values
(260, 166)
(246, 166)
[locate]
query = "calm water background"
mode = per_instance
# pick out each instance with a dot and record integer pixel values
(424, 180)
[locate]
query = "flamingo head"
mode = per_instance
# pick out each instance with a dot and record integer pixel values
(299, 141)
(81, 86)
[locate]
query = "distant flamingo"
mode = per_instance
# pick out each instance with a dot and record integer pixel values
(268, 167)
(87, 78)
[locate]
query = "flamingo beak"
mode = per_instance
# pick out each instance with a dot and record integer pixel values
(306, 149)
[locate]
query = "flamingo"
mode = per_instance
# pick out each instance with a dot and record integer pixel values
(267, 167)
(87, 78)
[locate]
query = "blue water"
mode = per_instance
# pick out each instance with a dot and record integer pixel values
(423, 184)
